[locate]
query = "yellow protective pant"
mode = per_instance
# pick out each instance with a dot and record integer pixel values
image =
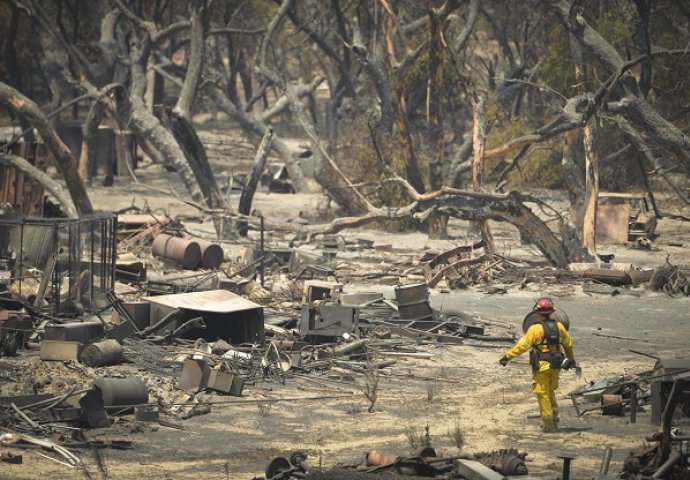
(544, 385)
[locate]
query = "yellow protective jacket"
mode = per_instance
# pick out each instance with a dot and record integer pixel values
(534, 338)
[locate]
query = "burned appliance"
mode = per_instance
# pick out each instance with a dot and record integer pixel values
(324, 322)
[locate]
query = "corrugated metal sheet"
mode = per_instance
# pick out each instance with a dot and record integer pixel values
(214, 301)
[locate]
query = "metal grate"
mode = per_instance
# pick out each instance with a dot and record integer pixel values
(63, 266)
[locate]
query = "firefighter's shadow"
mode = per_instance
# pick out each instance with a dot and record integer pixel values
(573, 429)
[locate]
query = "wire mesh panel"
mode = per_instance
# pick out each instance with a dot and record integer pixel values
(63, 266)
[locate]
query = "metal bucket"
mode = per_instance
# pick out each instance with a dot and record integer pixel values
(107, 352)
(121, 392)
(211, 253)
(184, 251)
(413, 301)
(533, 317)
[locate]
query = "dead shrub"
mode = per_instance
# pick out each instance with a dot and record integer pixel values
(418, 437)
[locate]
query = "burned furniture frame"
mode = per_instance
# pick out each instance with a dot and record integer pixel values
(75, 258)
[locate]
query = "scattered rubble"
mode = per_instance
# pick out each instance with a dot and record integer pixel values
(132, 318)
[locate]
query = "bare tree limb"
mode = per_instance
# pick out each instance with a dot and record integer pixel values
(195, 63)
(257, 129)
(460, 42)
(268, 37)
(280, 105)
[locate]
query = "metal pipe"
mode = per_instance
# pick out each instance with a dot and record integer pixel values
(91, 262)
(56, 274)
(21, 257)
(663, 469)
(633, 403)
(605, 463)
(261, 264)
(566, 466)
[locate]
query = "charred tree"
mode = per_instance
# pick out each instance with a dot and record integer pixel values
(245, 205)
(478, 140)
(437, 223)
(589, 222)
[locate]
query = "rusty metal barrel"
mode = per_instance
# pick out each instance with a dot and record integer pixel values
(413, 301)
(99, 354)
(211, 253)
(184, 251)
(122, 392)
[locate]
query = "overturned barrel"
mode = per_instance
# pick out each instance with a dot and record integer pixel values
(184, 251)
(122, 392)
(211, 253)
(99, 354)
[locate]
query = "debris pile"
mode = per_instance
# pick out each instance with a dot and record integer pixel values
(424, 463)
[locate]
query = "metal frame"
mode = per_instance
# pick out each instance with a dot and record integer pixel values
(77, 247)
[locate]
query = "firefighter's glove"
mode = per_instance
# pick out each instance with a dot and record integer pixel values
(568, 363)
(504, 360)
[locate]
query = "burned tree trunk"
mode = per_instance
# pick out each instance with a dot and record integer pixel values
(190, 144)
(9, 55)
(147, 126)
(88, 130)
(589, 227)
(245, 205)
(572, 171)
(64, 159)
(413, 174)
(478, 140)
(437, 223)
(183, 107)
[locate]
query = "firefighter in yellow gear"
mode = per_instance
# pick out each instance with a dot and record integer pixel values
(551, 349)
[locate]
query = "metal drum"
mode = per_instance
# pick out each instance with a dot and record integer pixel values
(211, 253)
(107, 352)
(184, 251)
(533, 317)
(120, 392)
(413, 301)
